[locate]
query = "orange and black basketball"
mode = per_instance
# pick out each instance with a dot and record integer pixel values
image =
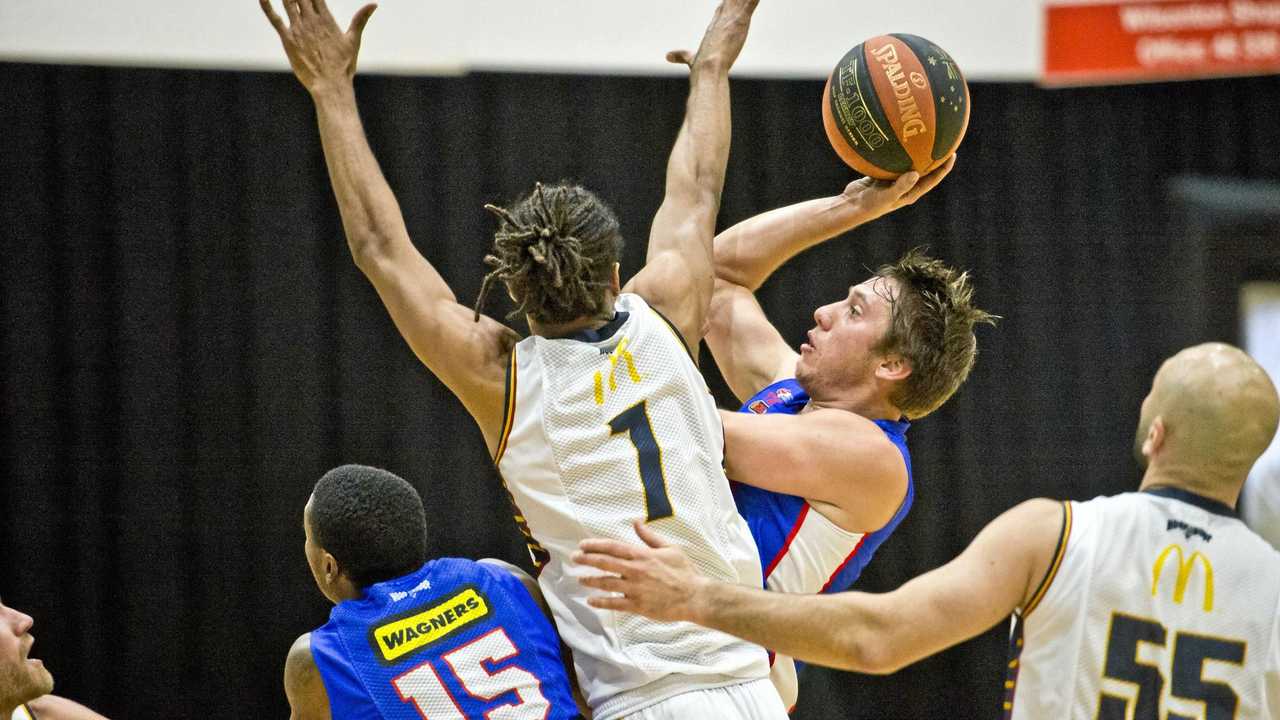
(895, 103)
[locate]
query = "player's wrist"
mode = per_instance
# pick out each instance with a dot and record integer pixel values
(700, 603)
(332, 92)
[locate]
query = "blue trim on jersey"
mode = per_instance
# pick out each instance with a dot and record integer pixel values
(359, 680)
(1214, 506)
(772, 515)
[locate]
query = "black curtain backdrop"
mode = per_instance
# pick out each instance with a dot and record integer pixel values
(187, 345)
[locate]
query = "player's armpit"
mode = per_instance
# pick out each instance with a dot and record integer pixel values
(469, 356)
(747, 348)
(678, 285)
(827, 456)
(303, 685)
(985, 584)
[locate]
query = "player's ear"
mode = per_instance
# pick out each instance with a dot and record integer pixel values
(1155, 438)
(894, 367)
(330, 569)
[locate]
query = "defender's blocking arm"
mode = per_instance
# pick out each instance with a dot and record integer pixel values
(747, 348)
(469, 357)
(677, 276)
(871, 633)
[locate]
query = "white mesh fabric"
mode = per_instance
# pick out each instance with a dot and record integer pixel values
(1109, 569)
(574, 478)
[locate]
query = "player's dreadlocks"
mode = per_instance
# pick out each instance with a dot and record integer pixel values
(555, 251)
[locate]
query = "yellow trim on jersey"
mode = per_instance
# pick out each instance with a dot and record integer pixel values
(509, 411)
(1057, 561)
(22, 712)
(675, 333)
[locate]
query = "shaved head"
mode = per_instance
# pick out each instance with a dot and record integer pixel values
(1211, 412)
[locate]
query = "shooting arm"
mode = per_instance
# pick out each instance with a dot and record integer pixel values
(748, 349)
(52, 707)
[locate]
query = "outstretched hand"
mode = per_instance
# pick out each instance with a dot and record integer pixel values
(320, 53)
(880, 197)
(724, 38)
(655, 579)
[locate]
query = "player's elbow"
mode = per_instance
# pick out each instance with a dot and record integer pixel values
(866, 653)
(368, 249)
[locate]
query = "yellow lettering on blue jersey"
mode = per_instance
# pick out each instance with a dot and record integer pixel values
(396, 639)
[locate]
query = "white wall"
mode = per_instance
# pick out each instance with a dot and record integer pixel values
(990, 39)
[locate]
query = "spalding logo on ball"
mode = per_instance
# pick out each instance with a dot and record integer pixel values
(895, 103)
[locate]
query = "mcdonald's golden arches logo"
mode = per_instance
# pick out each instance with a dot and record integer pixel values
(1185, 566)
(619, 354)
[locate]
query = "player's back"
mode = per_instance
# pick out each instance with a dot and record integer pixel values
(1158, 604)
(455, 639)
(604, 428)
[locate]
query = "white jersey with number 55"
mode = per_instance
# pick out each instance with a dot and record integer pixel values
(603, 428)
(1159, 604)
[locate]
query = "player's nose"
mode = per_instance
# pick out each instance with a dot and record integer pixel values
(22, 622)
(822, 316)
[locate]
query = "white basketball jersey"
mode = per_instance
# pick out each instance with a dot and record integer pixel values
(1160, 604)
(604, 428)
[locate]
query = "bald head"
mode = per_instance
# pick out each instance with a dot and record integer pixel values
(1211, 412)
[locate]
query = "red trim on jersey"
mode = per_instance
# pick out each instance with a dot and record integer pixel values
(787, 545)
(846, 562)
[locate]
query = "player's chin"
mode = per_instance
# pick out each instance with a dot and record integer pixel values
(41, 678)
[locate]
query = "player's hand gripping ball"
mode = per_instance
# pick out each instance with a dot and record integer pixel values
(895, 103)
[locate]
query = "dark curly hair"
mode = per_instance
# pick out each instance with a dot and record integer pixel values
(555, 250)
(931, 325)
(371, 521)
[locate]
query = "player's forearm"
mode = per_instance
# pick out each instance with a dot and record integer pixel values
(749, 252)
(371, 215)
(698, 162)
(833, 630)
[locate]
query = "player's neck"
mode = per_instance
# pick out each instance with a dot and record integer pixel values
(555, 330)
(870, 405)
(1219, 489)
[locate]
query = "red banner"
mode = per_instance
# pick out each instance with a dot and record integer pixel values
(1127, 40)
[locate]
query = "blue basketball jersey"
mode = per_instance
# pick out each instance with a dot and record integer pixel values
(780, 523)
(455, 639)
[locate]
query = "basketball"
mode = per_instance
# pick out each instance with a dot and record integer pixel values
(893, 104)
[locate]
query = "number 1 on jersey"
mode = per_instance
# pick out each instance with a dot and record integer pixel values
(635, 422)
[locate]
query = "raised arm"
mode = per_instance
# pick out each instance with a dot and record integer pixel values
(872, 633)
(677, 276)
(469, 357)
(747, 349)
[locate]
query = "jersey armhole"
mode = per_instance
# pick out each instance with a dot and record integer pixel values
(675, 332)
(1063, 536)
(508, 408)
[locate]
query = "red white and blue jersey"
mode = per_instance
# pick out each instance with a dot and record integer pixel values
(456, 639)
(801, 551)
